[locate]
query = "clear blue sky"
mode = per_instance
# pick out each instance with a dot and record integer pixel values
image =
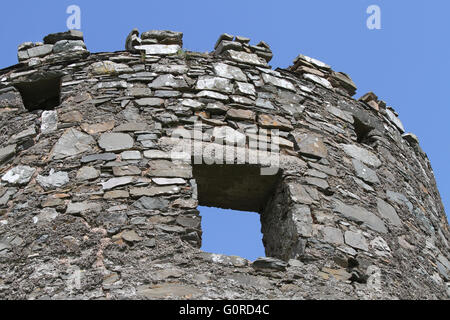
(407, 63)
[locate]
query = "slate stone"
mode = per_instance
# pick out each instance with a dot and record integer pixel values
(131, 155)
(395, 120)
(278, 82)
(159, 49)
(116, 182)
(157, 155)
(212, 95)
(245, 89)
(361, 154)
(388, 212)
(72, 142)
(68, 46)
(82, 207)
(115, 141)
(126, 171)
(244, 57)
(333, 235)
(19, 175)
(68, 35)
(229, 72)
(168, 169)
(361, 215)
(154, 191)
(321, 81)
(356, 240)
(166, 182)
(100, 156)
(214, 84)
(109, 68)
(229, 136)
(7, 153)
(40, 51)
(241, 114)
(365, 173)
(301, 216)
(10, 98)
(53, 180)
(311, 145)
(269, 264)
(131, 236)
(168, 81)
(150, 102)
(87, 173)
(400, 198)
(148, 203)
(49, 121)
(274, 122)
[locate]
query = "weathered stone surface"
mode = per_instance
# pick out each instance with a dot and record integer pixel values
(333, 235)
(229, 136)
(150, 102)
(230, 72)
(395, 120)
(361, 215)
(274, 122)
(53, 180)
(356, 240)
(100, 156)
(72, 142)
(168, 81)
(69, 45)
(269, 265)
(365, 173)
(116, 182)
(149, 203)
(311, 145)
(109, 68)
(241, 114)
(167, 169)
(214, 84)
(115, 141)
(388, 212)
(49, 120)
(363, 155)
(82, 207)
(19, 175)
(7, 153)
(244, 57)
(68, 35)
(321, 81)
(278, 82)
(159, 49)
(87, 173)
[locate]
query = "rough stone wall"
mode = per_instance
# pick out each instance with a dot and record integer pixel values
(93, 207)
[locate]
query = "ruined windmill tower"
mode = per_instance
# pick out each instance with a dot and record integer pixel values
(94, 203)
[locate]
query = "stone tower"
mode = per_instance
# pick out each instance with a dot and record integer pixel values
(104, 159)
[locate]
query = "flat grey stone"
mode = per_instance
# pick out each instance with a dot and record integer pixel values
(46, 215)
(149, 203)
(388, 212)
(109, 68)
(82, 207)
(40, 51)
(395, 120)
(321, 81)
(269, 264)
(244, 57)
(49, 121)
(156, 155)
(360, 214)
(212, 95)
(365, 173)
(87, 173)
(131, 155)
(333, 235)
(301, 216)
(230, 72)
(53, 180)
(341, 114)
(159, 49)
(214, 84)
(362, 155)
(171, 68)
(7, 153)
(167, 182)
(115, 141)
(71, 143)
(19, 175)
(117, 182)
(68, 46)
(68, 35)
(229, 136)
(168, 81)
(168, 169)
(150, 102)
(311, 145)
(317, 63)
(278, 82)
(245, 89)
(100, 156)
(356, 240)
(400, 198)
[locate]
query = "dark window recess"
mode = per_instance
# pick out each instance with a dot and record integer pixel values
(236, 187)
(42, 93)
(362, 131)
